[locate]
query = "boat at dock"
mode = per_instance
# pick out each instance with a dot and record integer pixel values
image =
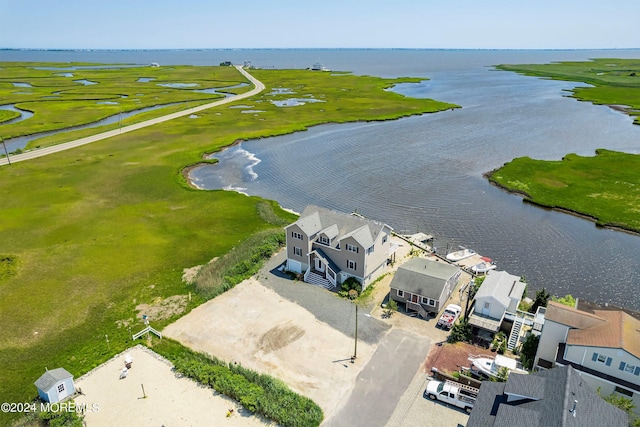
(491, 366)
(486, 265)
(463, 253)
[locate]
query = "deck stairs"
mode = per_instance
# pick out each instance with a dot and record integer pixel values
(418, 309)
(318, 280)
(515, 333)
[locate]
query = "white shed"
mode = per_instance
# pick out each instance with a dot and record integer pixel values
(55, 385)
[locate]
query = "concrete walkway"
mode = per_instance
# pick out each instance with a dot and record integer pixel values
(258, 87)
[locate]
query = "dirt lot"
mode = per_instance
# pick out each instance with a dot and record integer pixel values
(450, 357)
(256, 327)
(169, 401)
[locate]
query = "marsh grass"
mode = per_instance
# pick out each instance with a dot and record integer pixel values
(605, 187)
(77, 104)
(102, 228)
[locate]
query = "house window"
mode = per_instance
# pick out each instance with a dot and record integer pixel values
(384, 239)
(400, 293)
(601, 358)
(60, 388)
(324, 240)
(631, 369)
(487, 305)
(431, 302)
(296, 235)
(352, 248)
(351, 265)
(370, 250)
(297, 251)
(623, 391)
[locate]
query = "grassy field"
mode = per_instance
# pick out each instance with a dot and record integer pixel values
(60, 100)
(89, 234)
(605, 187)
(615, 81)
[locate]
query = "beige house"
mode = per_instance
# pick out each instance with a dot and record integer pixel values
(329, 246)
(602, 343)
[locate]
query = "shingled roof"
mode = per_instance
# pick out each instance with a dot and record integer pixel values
(315, 219)
(50, 378)
(556, 397)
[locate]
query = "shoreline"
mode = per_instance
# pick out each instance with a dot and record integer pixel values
(526, 198)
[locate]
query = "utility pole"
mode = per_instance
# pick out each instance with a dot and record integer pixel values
(466, 310)
(355, 347)
(5, 150)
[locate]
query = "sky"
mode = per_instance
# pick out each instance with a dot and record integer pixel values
(434, 24)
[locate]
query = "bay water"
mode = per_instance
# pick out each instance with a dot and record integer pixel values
(425, 173)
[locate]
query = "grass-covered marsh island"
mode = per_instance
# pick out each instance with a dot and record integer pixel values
(605, 188)
(96, 236)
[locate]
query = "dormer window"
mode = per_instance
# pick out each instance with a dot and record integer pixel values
(324, 240)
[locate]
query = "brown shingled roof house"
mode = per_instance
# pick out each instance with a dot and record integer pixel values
(601, 343)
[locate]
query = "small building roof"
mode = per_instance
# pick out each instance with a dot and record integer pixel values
(502, 286)
(424, 277)
(554, 397)
(50, 378)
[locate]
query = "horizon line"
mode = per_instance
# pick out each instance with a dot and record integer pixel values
(308, 48)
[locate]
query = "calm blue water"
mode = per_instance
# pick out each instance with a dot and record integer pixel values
(425, 173)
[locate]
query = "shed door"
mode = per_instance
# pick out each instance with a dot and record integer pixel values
(486, 309)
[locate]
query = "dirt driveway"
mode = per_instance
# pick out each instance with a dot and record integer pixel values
(256, 327)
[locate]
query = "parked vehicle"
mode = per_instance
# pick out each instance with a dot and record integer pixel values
(452, 393)
(449, 317)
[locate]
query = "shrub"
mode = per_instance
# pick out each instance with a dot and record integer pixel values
(256, 392)
(353, 294)
(529, 349)
(461, 331)
(238, 264)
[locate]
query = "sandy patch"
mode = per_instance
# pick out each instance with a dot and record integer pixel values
(254, 326)
(161, 309)
(169, 401)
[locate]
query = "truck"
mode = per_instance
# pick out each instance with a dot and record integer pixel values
(456, 394)
(449, 317)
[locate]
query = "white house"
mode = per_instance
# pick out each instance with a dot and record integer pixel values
(602, 343)
(55, 385)
(499, 294)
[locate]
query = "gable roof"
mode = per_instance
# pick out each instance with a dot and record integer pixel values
(555, 397)
(616, 329)
(570, 316)
(502, 286)
(315, 219)
(423, 277)
(50, 378)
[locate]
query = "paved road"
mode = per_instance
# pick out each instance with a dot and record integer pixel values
(383, 381)
(258, 87)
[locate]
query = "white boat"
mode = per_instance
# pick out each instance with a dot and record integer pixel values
(490, 366)
(461, 254)
(483, 267)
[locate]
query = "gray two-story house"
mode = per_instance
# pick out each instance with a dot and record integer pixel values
(329, 246)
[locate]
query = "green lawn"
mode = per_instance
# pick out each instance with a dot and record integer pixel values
(88, 234)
